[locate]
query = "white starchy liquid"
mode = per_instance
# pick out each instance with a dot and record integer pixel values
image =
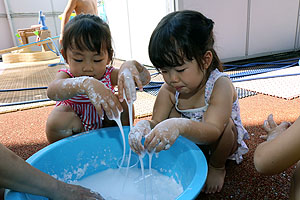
(118, 121)
(109, 184)
(127, 183)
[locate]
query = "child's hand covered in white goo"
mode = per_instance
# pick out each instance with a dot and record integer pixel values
(272, 129)
(136, 135)
(163, 135)
(127, 81)
(102, 98)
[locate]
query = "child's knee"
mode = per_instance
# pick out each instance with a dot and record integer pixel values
(230, 132)
(231, 135)
(62, 123)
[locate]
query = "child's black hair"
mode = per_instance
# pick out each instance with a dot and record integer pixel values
(182, 36)
(87, 32)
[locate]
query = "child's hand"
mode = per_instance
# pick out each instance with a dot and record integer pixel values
(136, 134)
(272, 129)
(128, 78)
(102, 98)
(163, 136)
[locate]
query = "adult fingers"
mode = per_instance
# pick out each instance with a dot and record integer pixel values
(263, 137)
(271, 122)
(266, 126)
(284, 125)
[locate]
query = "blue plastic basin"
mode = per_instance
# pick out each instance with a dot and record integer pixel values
(83, 155)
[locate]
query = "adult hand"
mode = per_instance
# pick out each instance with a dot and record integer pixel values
(272, 129)
(75, 192)
(136, 135)
(163, 135)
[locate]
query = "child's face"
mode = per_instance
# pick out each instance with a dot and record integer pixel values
(186, 78)
(87, 63)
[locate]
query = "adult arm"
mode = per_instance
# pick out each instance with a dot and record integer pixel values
(18, 175)
(274, 156)
(70, 7)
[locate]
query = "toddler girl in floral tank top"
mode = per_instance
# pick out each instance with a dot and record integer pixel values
(197, 101)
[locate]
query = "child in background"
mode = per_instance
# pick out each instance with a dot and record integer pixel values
(197, 101)
(80, 7)
(85, 91)
(280, 151)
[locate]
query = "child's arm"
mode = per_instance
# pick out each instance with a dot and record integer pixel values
(66, 16)
(130, 75)
(216, 119)
(276, 155)
(64, 87)
(18, 175)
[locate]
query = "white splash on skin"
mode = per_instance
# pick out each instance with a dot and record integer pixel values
(129, 84)
(98, 99)
(76, 82)
(141, 129)
(95, 97)
(67, 132)
(161, 129)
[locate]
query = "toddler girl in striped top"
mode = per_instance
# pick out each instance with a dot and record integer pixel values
(84, 90)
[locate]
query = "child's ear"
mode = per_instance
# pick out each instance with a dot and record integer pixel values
(207, 59)
(63, 53)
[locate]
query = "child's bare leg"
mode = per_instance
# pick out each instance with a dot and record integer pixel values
(225, 146)
(61, 123)
(295, 184)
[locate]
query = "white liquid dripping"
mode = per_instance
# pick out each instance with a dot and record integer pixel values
(150, 173)
(130, 109)
(143, 175)
(118, 121)
(109, 182)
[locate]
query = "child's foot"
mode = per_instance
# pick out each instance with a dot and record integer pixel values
(215, 180)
